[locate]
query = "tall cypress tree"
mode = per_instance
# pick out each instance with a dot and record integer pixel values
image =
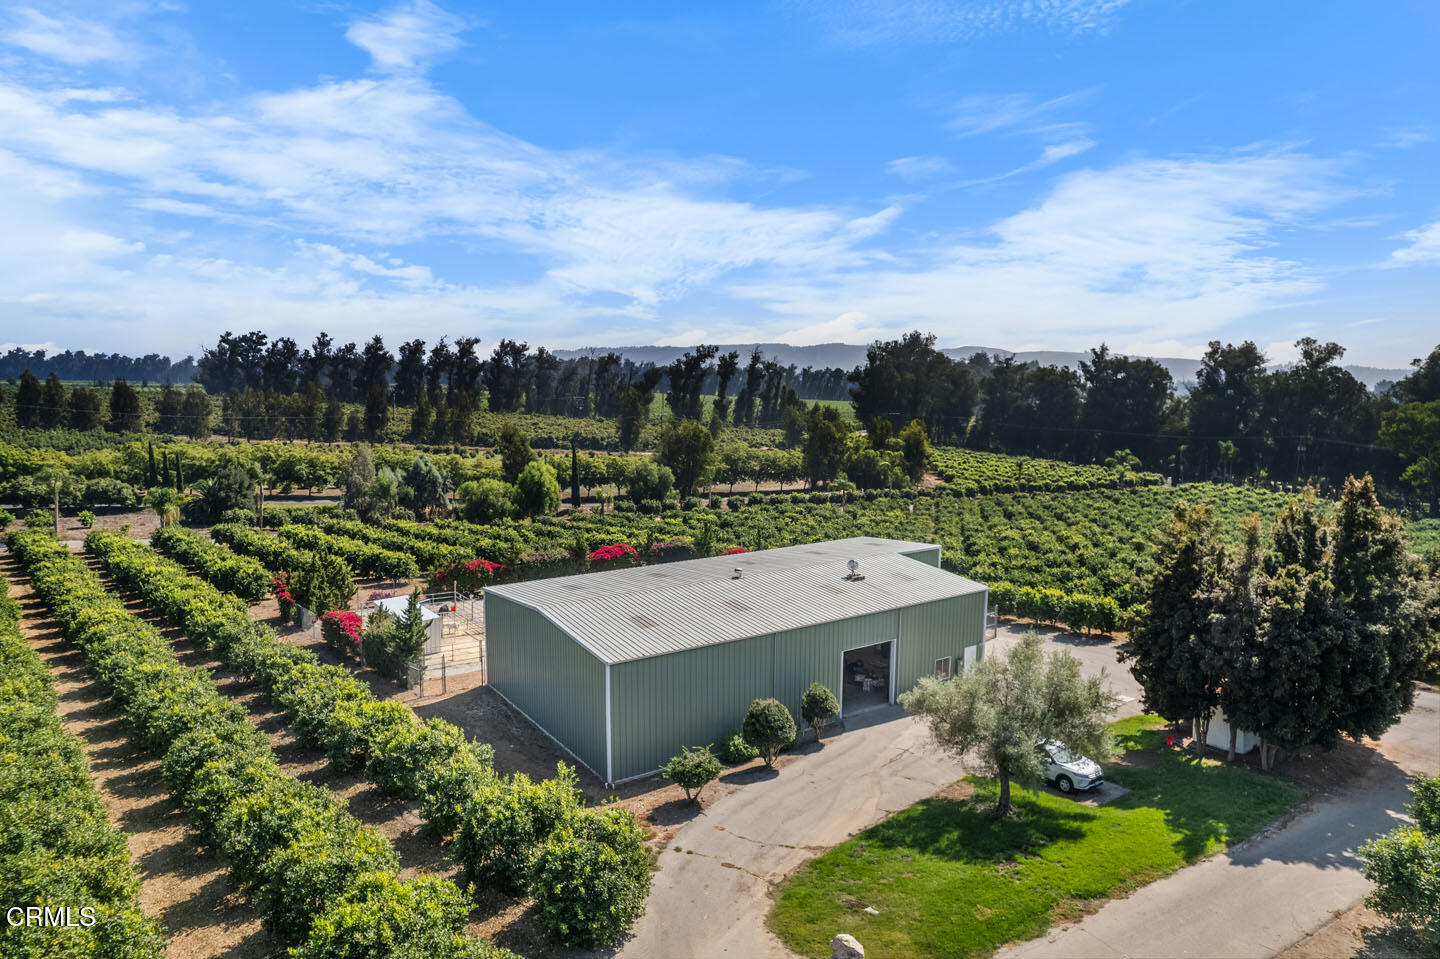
(1341, 631)
(1383, 604)
(27, 401)
(150, 477)
(1170, 651)
(574, 477)
(1235, 612)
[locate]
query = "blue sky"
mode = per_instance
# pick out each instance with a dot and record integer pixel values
(1027, 174)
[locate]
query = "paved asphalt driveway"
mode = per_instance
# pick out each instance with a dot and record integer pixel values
(711, 899)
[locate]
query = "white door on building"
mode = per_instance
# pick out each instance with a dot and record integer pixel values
(970, 657)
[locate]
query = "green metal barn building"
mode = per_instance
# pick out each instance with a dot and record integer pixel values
(624, 667)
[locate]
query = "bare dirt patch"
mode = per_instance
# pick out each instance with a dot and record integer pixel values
(1357, 933)
(186, 887)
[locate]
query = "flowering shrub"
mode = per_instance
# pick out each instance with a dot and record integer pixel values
(734, 550)
(342, 630)
(284, 597)
(467, 576)
(622, 552)
(380, 594)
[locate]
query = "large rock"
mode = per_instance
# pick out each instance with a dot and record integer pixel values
(844, 946)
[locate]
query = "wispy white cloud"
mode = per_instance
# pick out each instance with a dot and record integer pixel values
(1405, 139)
(1178, 243)
(1052, 154)
(918, 168)
(408, 38)
(1424, 247)
(64, 37)
(866, 22)
(1023, 115)
(292, 208)
(1014, 112)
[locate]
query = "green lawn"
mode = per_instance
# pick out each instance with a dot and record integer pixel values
(950, 879)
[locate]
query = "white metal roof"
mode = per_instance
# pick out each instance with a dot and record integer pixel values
(625, 614)
(400, 606)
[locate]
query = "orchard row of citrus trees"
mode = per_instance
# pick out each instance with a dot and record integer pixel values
(973, 472)
(588, 869)
(323, 881)
(57, 848)
(1074, 559)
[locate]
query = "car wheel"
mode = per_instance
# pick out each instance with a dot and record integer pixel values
(1064, 784)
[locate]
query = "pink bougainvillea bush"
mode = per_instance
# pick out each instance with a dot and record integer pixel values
(467, 576)
(734, 550)
(342, 629)
(284, 597)
(616, 554)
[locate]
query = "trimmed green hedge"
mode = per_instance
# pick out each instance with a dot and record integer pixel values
(242, 575)
(276, 554)
(57, 847)
(1076, 610)
(291, 846)
(428, 554)
(364, 558)
(318, 581)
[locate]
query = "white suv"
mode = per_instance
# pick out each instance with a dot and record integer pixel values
(1068, 771)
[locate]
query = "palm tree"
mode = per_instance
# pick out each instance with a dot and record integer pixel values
(166, 503)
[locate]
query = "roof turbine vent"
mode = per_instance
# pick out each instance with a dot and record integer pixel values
(735, 573)
(854, 574)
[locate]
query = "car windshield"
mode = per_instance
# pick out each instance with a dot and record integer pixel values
(1062, 755)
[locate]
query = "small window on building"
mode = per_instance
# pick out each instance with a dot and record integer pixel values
(942, 668)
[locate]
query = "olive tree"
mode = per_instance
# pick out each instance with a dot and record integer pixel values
(995, 715)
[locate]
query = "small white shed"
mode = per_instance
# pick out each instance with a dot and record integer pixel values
(399, 607)
(1218, 736)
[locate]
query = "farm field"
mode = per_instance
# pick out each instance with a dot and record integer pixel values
(974, 472)
(1091, 543)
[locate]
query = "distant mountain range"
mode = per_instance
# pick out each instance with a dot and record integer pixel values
(848, 356)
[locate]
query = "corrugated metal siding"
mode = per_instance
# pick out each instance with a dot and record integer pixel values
(934, 630)
(816, 654)
(651, 611)
(929, 555)
(549, 677)
(685, 699)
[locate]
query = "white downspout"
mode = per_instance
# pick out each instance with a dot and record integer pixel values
(609, 749)
(895, 649)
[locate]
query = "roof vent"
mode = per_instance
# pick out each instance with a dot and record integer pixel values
(735, 573)
(854, 573)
